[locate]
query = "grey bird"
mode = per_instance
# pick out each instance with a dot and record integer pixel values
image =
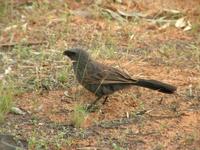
(104, 80)
(9, 142)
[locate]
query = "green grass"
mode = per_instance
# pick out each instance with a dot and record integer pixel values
(37, 144)
(22, 52)
(63, 75)
(105, 49)
(191, 138)
(116, 147)
(3, 8)
(159, 146)
(78, 116)
(6, 96)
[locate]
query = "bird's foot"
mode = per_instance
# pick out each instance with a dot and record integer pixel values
(105, 100)
(92, 108)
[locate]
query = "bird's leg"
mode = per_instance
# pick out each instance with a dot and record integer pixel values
(93, 103)
(105, 100)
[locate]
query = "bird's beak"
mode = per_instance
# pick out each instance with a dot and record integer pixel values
(66, 53)
(70, 54)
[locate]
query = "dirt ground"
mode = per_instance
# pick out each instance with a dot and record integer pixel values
(132, 119)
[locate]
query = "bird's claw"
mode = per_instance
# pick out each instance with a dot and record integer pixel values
(91, 108)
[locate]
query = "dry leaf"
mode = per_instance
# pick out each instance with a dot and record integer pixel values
(119, 1)
(188, 27)
(8, 70)
(131, 14)
(166, 25)
(10, 27)
(115, 15)
(17, 111)
(180, 23)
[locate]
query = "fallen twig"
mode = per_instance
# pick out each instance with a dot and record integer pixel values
(142, 134)
(11, 45)
(117, 123)
(168, 116)
(89, 148)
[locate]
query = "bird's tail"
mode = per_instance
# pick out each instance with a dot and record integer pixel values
(156, 85)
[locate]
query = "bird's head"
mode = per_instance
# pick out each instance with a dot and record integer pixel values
(76, 54)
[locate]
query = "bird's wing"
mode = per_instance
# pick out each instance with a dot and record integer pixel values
(101, 74)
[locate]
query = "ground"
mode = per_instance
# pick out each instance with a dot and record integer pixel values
(35, 33)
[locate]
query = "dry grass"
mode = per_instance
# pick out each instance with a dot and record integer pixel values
(6, 98)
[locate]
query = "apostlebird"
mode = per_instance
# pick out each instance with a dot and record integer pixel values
(104, 80)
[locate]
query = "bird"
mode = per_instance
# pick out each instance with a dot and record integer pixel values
(10, 142)
(104, 80)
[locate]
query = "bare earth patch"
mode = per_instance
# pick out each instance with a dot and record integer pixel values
(171, 121)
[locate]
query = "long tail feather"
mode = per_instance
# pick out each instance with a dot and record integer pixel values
(156, 85)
